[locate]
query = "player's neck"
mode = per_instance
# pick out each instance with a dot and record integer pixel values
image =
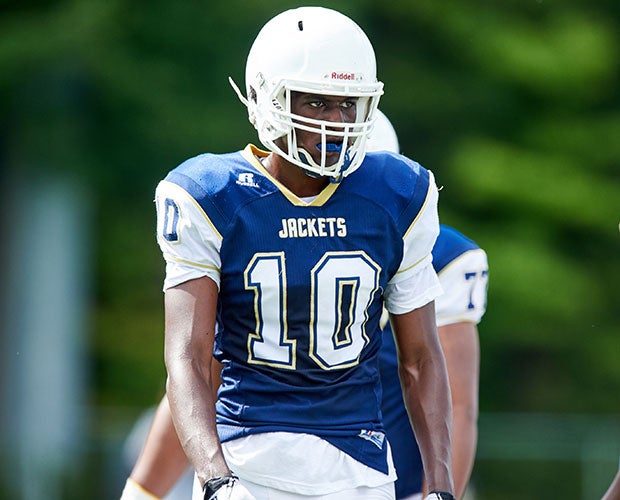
(293, 177)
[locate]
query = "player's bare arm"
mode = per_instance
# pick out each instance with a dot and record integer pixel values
(162, 460)
(190, 311)
(426, 391)
(613, 492)
(460, 345)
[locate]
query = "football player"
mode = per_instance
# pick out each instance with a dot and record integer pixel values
(294, 253)
(463, 272)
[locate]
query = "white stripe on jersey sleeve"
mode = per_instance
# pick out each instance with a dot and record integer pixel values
(194, 250)
(420, 237)
(464, 281)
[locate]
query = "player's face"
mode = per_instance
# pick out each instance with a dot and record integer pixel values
(326, 108)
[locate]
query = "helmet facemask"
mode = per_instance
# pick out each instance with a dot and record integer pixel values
(346, 138)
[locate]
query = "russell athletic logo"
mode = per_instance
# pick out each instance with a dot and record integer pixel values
(246, 179)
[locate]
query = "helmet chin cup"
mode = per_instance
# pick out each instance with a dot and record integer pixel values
(306, 159)
(325, 53)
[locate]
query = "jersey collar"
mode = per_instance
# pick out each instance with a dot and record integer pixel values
(252, 154)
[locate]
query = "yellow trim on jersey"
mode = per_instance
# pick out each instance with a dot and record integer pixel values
(453, 320)
(252, 154)
(412, 265)
(457, 259)
(140, 490)
(168, 256)
(421, 211)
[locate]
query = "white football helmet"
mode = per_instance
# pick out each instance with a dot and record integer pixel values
(317, 51)
(383, 136)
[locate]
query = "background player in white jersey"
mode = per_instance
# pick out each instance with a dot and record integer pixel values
(463, 272)
(462, 269)
(294, 253)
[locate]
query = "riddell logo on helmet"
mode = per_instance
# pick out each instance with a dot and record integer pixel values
(343, 76)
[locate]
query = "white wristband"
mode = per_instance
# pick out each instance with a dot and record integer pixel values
(134, 491)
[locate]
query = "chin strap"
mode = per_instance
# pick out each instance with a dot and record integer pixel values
(238, 92)
(305, 158)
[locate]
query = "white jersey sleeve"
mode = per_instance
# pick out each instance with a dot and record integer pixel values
(188, 240)
(464, 281)
(415, 284)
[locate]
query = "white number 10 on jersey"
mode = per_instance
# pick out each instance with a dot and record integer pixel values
(343, 285)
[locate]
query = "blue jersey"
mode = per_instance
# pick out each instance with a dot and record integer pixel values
(301, 287)
(462, 269)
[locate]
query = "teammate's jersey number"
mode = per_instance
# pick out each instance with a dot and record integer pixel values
(343, 285)
(478, 284)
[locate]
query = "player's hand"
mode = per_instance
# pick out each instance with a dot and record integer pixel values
(440, 495)
(226, 488)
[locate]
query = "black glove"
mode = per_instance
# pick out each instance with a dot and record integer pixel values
(212, 485)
